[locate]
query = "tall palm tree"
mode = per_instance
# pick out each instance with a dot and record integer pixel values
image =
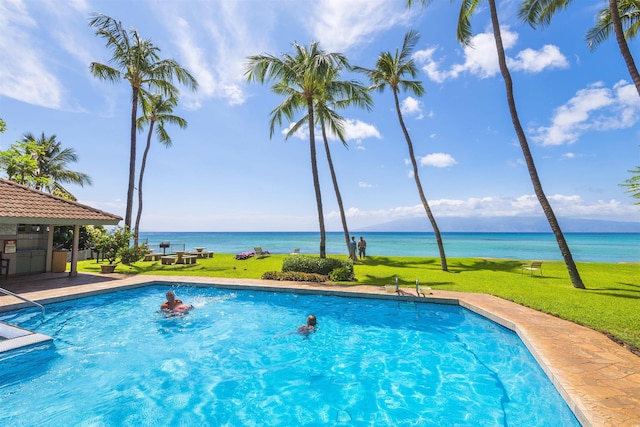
(391, 70)
(612, 19)
(52, 161)
(300, 78)
(156, 110)
(464, 34)
(336, 94)
(137, 61)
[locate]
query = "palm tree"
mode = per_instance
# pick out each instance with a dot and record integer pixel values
(137, 61)
(464, 35)
(158, 110)
(301, 80)
(52, 161)
(339, 94)
(390, 71)
(611, 19)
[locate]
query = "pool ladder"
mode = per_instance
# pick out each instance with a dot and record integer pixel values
(23, 299)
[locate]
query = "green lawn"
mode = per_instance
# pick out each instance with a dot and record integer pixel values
(610, 304)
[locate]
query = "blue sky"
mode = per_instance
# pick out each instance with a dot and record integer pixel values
(224, 173)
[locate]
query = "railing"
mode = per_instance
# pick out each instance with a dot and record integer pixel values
(23, 299)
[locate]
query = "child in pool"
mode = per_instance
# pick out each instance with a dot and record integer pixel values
(308, 327)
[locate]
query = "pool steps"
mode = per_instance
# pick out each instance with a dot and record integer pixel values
(15, 337)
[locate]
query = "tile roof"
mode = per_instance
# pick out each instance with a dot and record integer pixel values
(23, 205)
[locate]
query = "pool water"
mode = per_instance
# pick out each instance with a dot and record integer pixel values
(236, 360)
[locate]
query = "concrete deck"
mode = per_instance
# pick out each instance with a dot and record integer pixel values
(599, 379)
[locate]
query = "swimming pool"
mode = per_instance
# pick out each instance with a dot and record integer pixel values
(237, 361)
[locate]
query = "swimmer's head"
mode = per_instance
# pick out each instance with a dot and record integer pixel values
(171, 296)
(311, 320)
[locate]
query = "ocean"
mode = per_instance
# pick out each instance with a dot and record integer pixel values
(585, 247)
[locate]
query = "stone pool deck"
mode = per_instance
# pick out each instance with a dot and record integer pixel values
(599, 379)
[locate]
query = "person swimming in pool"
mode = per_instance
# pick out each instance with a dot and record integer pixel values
(308, 327)
(174, 306)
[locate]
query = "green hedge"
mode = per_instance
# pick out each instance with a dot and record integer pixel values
(294, 276)
(317, 265)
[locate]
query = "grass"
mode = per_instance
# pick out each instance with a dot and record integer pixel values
(610, 304)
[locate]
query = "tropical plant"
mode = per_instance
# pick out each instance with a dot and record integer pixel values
(612, 19)
(137, 61)
(111, 244)
(464, 35)
(301, 80)
(19, 162)
(391, 71)
(633, 184)
(3, 125)
(52, 161)
(41, 163)
(156, 110)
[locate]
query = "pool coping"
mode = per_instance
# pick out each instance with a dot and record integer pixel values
(599, 379)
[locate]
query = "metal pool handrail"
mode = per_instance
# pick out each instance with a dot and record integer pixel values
(23, 299)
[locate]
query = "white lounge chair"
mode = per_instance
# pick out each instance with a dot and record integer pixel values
(531, 267)
(260, 253)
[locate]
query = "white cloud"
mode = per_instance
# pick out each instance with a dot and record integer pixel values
(363, 184)
(481, 58)
(27, 77)
(438, 160)
(595, 108)
(412, 107)
(354, 130)
(567, 206)
(339, 25)
(535, 61)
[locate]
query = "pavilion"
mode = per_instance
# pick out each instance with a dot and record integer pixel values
(27, 221)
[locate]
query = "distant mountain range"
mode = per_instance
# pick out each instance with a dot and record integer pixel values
(505, 225)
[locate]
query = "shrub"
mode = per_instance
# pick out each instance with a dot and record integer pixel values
(295, 276)
(111, 244)
(341, 274)
(133, 254)
(317, 265)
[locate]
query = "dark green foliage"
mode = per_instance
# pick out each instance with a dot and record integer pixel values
(294, 276)
(342, 274)
(311, 264)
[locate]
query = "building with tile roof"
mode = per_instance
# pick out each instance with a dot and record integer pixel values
(27, 221)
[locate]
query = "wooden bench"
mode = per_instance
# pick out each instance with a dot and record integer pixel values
(152, 257)
(188, 259)
(168, 259)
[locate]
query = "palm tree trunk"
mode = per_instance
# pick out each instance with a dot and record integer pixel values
(432, 219)
(343, 217)
(316, 181)
(132, 159)
(533, 173)
(142, 167)
(622, 44)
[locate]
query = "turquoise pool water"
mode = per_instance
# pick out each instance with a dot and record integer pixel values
(236, 360)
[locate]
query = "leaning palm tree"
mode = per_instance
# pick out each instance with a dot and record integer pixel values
(464, 35)
(52, 161)
(137, 61)
(300, 78)
(390, 71)
(156, 110)
(612, 19)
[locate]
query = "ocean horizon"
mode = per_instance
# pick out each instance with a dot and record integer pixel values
(585, 247)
